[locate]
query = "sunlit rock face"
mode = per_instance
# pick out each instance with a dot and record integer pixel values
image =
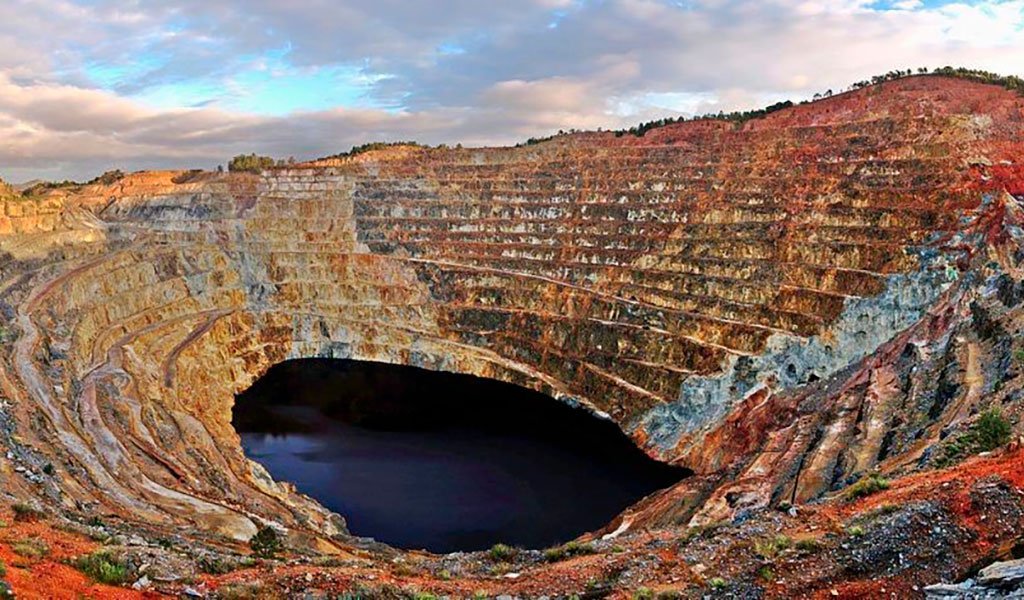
(773, 305)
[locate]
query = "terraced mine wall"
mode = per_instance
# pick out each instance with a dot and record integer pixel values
(765, 304)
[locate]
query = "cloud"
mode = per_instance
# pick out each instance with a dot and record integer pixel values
(93, 84)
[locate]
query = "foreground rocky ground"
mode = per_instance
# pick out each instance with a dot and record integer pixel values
(926, 529)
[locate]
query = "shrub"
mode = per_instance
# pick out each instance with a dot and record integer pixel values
(988, 432)
(26, 513)
(771, 547)
(243, 591)
(568, 550)
(502, 552)
(34, 548)
(103, 568)
(991, 430)
(766, 574)
(250, 163)
(266, 543)
(3, 569)
(716, 583)
(855, 530)
(643, 593)
(807, 545)
(871, 484)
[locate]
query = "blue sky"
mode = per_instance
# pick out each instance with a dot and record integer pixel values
(92, 84)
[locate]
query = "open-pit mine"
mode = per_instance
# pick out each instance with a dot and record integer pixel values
(815, 314)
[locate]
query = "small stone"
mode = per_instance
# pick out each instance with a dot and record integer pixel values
(141, 584)
(834, 592)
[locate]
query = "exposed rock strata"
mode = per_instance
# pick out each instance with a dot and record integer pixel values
(781, 307)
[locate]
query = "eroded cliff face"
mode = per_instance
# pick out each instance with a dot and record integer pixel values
(781, 306)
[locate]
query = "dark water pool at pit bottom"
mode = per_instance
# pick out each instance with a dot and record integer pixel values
(421, 459)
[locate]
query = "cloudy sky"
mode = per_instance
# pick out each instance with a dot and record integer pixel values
(88, 85)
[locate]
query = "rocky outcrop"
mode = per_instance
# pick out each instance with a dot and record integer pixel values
(781, 306)
(998, 580)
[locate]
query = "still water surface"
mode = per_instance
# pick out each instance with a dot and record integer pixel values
(420, 459)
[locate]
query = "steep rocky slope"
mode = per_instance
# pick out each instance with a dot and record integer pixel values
(782, 306)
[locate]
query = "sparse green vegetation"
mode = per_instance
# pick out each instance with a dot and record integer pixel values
(108, 178)
(46, 186)
(26, 513)
(855, 530)
(502, 552)
(216, 565)
(807, 545)
(33, 548)
(372, 146)
(704, 532)
(766, 574)
(102, 567)
(769, 548)
(643, 593)
(868, 485)
(716, 583)
(568, 550)
(734, 117)
(243, 591)
(250, 163)
(1009, 82)
(266, 543)
(989, 431)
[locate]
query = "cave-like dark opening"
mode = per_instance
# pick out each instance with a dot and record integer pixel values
(441, 461)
